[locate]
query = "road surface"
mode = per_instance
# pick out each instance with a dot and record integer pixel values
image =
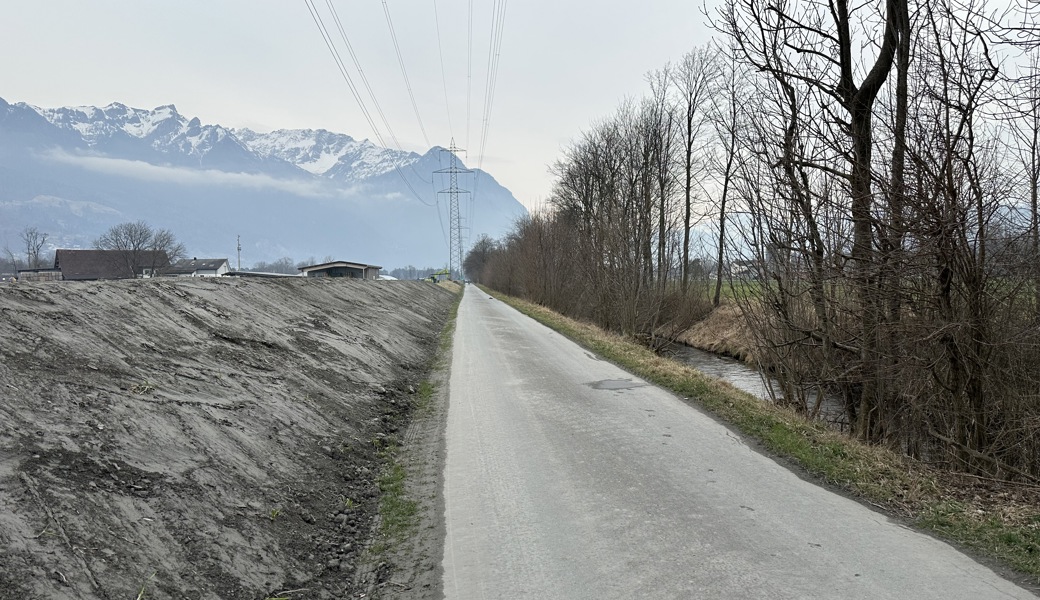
(569, 478)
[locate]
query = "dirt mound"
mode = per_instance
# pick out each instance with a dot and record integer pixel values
(192, 438)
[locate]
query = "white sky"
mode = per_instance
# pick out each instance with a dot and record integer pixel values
(262, 64)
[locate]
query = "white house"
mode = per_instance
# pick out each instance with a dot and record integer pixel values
(198, 267)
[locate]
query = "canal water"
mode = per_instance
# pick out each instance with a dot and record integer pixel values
(747, 378)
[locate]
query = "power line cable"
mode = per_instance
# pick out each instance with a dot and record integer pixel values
(444, 232)
(407, 81)
(323, 30)
(368, 86)
(339, 64)
(444, 75)
(494, 56)
(469, 72)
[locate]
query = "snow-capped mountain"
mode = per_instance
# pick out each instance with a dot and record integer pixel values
(74, 171)
(160, 135)
(334, 156)
(98, 124)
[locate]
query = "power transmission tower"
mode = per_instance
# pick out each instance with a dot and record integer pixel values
(454, 219)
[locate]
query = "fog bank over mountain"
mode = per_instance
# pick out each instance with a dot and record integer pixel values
(72, 172)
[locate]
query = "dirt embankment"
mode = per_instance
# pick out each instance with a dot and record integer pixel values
(724, 331)
(200, 439)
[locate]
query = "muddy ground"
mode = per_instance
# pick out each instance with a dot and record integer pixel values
(202, 439)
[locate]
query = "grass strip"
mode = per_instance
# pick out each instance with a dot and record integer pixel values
(1006, 529)
(398, 513)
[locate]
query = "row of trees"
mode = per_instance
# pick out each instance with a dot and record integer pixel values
(138, 243)
(619, 245)
(878, 164)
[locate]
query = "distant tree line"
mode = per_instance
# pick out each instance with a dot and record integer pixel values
(878, 167)
(287, 266)
(411, 272)
(284, 265)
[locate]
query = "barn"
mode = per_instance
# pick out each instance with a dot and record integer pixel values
(342, 268)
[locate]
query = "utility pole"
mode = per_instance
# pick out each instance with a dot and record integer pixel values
(455, 221)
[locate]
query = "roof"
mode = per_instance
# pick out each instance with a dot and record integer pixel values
(106, 264)
(338, 263)
(258, 274)
(192, 265)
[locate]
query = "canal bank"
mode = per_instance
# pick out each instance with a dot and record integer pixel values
(724, 332)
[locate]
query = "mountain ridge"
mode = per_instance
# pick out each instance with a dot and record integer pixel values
(291, 192)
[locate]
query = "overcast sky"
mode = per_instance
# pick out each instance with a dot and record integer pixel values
(263, 64)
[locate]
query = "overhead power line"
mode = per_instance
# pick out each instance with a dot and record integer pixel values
(498, 19)
(469, 71)
(330, 43)
(498, 22)
(444, 75)
(368, 87)
(404, 72)
(342, 68)
(361, 74)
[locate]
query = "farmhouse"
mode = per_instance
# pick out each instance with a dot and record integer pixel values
(85, 265)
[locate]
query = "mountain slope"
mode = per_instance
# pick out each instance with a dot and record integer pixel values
(74, 171)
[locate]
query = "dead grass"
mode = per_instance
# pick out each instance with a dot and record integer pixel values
(995, 519)
(452, 286)
(723, 331)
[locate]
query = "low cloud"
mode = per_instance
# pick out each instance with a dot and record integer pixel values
(143, 171)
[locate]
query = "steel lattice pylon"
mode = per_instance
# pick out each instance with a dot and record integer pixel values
(455, 220)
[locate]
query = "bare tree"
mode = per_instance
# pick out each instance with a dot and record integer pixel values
(1022, 114)
(478, 258)
(729, 93)
(811, 53)
(880, 203)
(10, 259)
(34, 241)
(163, 240)
(141, 247)
(693, 79)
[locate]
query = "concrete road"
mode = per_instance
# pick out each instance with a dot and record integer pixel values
(569, 478)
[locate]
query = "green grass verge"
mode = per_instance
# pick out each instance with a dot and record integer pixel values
(398, 513)
(1007, 529)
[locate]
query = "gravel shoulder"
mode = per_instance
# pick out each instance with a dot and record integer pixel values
(411, 568)
(203, 439)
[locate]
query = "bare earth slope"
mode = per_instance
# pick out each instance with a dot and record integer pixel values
(200, 438)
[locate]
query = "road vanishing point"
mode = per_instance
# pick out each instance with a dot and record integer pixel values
(566, 477)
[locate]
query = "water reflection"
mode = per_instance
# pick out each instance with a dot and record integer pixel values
(747, 378)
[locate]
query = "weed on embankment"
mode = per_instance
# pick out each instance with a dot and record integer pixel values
(405, 484)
